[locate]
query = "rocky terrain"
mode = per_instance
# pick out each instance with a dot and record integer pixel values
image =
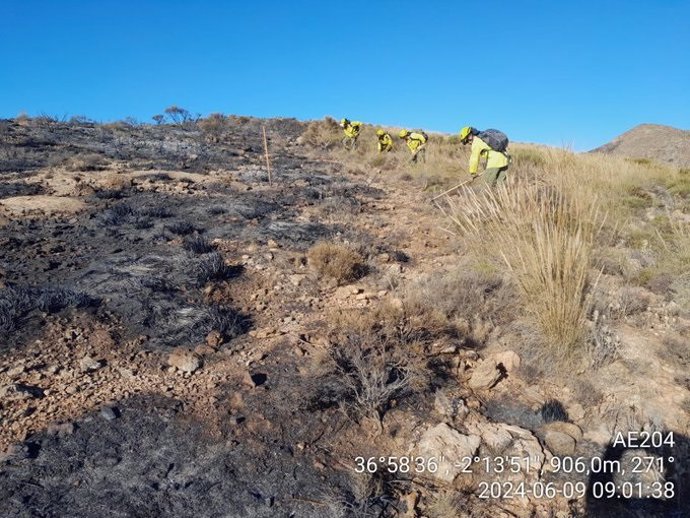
(652, 142)
(181, 337)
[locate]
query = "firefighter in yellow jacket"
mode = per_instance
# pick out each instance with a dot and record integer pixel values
(351, 129)
(496, 161)
(416, 142)
(385, 141)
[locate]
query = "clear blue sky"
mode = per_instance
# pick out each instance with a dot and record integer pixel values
(571, 73)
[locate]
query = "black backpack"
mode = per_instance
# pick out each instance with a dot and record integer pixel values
(423, 134)
(495, 139)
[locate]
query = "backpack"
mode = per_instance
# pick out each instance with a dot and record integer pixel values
(495, 139)
(423, 134)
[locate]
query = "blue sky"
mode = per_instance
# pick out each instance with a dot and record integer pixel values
(559, 73)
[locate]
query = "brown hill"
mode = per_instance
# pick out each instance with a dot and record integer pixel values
(652, 141)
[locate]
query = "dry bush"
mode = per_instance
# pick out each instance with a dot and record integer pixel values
(371, 360)
(337, 261)
(634, 300)
(444, 505)
(322, 134)
(214, 126)
(544, 236)
(84, 163)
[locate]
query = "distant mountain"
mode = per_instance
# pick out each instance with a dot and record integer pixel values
(653, 141)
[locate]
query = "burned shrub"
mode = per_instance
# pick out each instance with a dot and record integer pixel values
(110, 194)
(228, 322)
(553, 410)
(339, 262)
(53, 300)
(15, 302)
(181, 228)
(116, 215)
(198, 245)
(18, 301)
(142, 223)
(216, 210)
(213, 268)
(159, 212)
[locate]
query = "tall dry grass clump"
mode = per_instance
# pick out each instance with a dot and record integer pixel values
(544, 234)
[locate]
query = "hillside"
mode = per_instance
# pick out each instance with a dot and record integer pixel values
(652, 141)
(180, 336)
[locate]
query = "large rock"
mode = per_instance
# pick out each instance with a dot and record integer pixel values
(509, 359)
(517, 446)
(485, 375)
(447, 447)
(559, 443)
(450, 406)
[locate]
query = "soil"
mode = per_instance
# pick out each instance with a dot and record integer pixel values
(169, 244)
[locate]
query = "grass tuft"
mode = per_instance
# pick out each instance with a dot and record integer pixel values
(337, 261)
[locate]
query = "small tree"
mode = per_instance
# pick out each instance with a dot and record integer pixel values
(178, 115)
(158, 119)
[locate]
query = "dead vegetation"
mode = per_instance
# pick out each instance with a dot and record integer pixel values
(336, 261)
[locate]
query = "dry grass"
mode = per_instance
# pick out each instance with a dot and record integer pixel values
(337, 261)
(545, 238)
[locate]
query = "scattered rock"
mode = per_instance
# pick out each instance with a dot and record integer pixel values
(485, 375)
(509, 359)
(214, 339)
(184, 361)
(559, 443)
(446, 445)
(29, 390)
(109, 413)
(297, 279)
(61, 429)
(16, 371)
(570, 429)
(452, 407)
(88, 364)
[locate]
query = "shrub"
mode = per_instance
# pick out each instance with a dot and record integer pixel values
(214, 126)
(323, 134)
(371, 376)
(90, 162)
(337, 261)
(181, 228)
(198, 245)
(553, 410)
(159, 212)
(213, 268)
(544, 236)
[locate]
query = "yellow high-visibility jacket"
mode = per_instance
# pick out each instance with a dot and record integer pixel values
(352, 129)
(494, 158)
(414, 140)
(385, 142)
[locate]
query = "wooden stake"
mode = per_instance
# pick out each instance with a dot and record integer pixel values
(268, 162)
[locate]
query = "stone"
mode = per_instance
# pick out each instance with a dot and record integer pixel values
(485, 375)
(88, 364)
(184, 361)
(342, 293)
(450, 406)
(509, 359)
(296, 279)
(61, 429)
(447, 447)
(559, 443)
(16, 371)
(108, 413)
(570, 429)
(214, 339)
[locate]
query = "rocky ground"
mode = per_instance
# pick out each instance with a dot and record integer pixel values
(166, 344)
